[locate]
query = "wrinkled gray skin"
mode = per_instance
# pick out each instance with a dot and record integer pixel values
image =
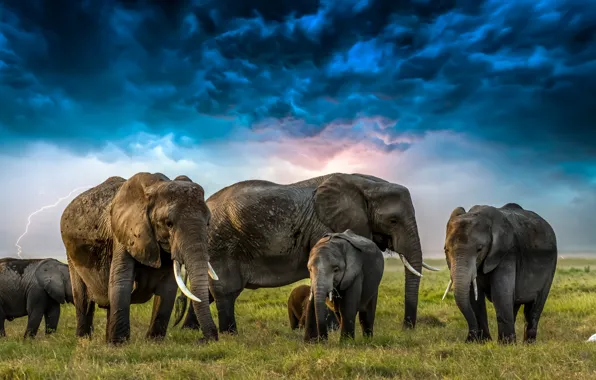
(513, 253)
(262, 232)
(297, 302)
(35, 288)
(121, 238)
(350, 267)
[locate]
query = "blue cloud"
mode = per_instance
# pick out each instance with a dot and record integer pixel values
(516, 74)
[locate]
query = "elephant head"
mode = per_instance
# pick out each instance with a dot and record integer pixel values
(54, 277)
(380, 211)
(152, 214)
(476, 240)
(334, 263)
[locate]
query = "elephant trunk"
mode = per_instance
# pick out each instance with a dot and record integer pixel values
(464, 273)
(413, 253)
(320, 294)
(193, 252)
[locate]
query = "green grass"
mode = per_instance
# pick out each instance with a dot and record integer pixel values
(266, 348)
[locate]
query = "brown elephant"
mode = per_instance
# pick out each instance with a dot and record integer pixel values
(126, 241)
(297, 303)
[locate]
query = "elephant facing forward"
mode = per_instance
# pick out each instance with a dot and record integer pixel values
(347, 269)
(262, 232)
(507, 254)
(126, 241)
(35, 288)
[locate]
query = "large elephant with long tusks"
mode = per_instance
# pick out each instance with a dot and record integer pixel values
(126, 241)
(262, 232)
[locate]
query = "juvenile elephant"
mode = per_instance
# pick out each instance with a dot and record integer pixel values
(507, 254)
(297, 303)
(348, 269)
(126, 241)
(35, 288)
(262, 232)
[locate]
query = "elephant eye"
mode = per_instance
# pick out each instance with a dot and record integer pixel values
(335, 269)
(479, 248)
(169, 224)
(393, 221)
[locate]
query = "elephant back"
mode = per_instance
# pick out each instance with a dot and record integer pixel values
(87, 216)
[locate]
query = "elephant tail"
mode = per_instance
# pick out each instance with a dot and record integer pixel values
(181, 303)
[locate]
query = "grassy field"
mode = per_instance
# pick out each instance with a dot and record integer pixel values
(267, 348)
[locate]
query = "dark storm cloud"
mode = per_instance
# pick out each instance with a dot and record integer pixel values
(520, 74)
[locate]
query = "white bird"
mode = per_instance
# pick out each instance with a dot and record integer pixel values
(592, 338)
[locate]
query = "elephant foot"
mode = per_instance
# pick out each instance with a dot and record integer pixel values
(155, 337)
(409, 324)
(117, 340)
(478, 337)
(204, 341)
(507, 339)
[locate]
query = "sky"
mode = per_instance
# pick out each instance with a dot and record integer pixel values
(464, 102)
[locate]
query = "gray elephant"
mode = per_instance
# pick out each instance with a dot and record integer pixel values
(35, 288)
(262, 232)
(297, 303)
(126, 241)
(507, 254)
(346, 268)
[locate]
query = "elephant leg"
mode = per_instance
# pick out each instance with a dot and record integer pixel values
(225, 309)
(479, 307)
(348, 308)
(367, 318)
(84, 307)
(163, 304)
(532, 313)
(107, 322)
(503, 294)
(35, 311)
(294, 321)
(332, 321)
(2, 320)
(51, 317)
(119, 290)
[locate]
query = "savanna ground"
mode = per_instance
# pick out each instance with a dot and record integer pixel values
(267, 348)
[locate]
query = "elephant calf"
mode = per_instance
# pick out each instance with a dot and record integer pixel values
(351, 267)
(35, 288)
(507, 254)
(297, 303)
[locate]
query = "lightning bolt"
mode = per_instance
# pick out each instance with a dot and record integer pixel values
(19, 248)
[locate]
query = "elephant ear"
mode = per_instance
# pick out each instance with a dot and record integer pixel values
(340, 204)
(502, 242)
(457, 212)
(130, 218)
(50, 278)
(360, 243)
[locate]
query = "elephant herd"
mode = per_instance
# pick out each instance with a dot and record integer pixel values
(130, 240)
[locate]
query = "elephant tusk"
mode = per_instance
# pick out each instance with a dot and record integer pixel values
(475, 289)
(331, 295)
(310, 297)
(409, 266)
(448, 289)
(181, 284)
(425, 265)
(212, 273)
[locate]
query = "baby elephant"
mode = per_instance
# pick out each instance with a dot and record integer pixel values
(507, 254)
(297, 309)
(348, 269)
(35, 288)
